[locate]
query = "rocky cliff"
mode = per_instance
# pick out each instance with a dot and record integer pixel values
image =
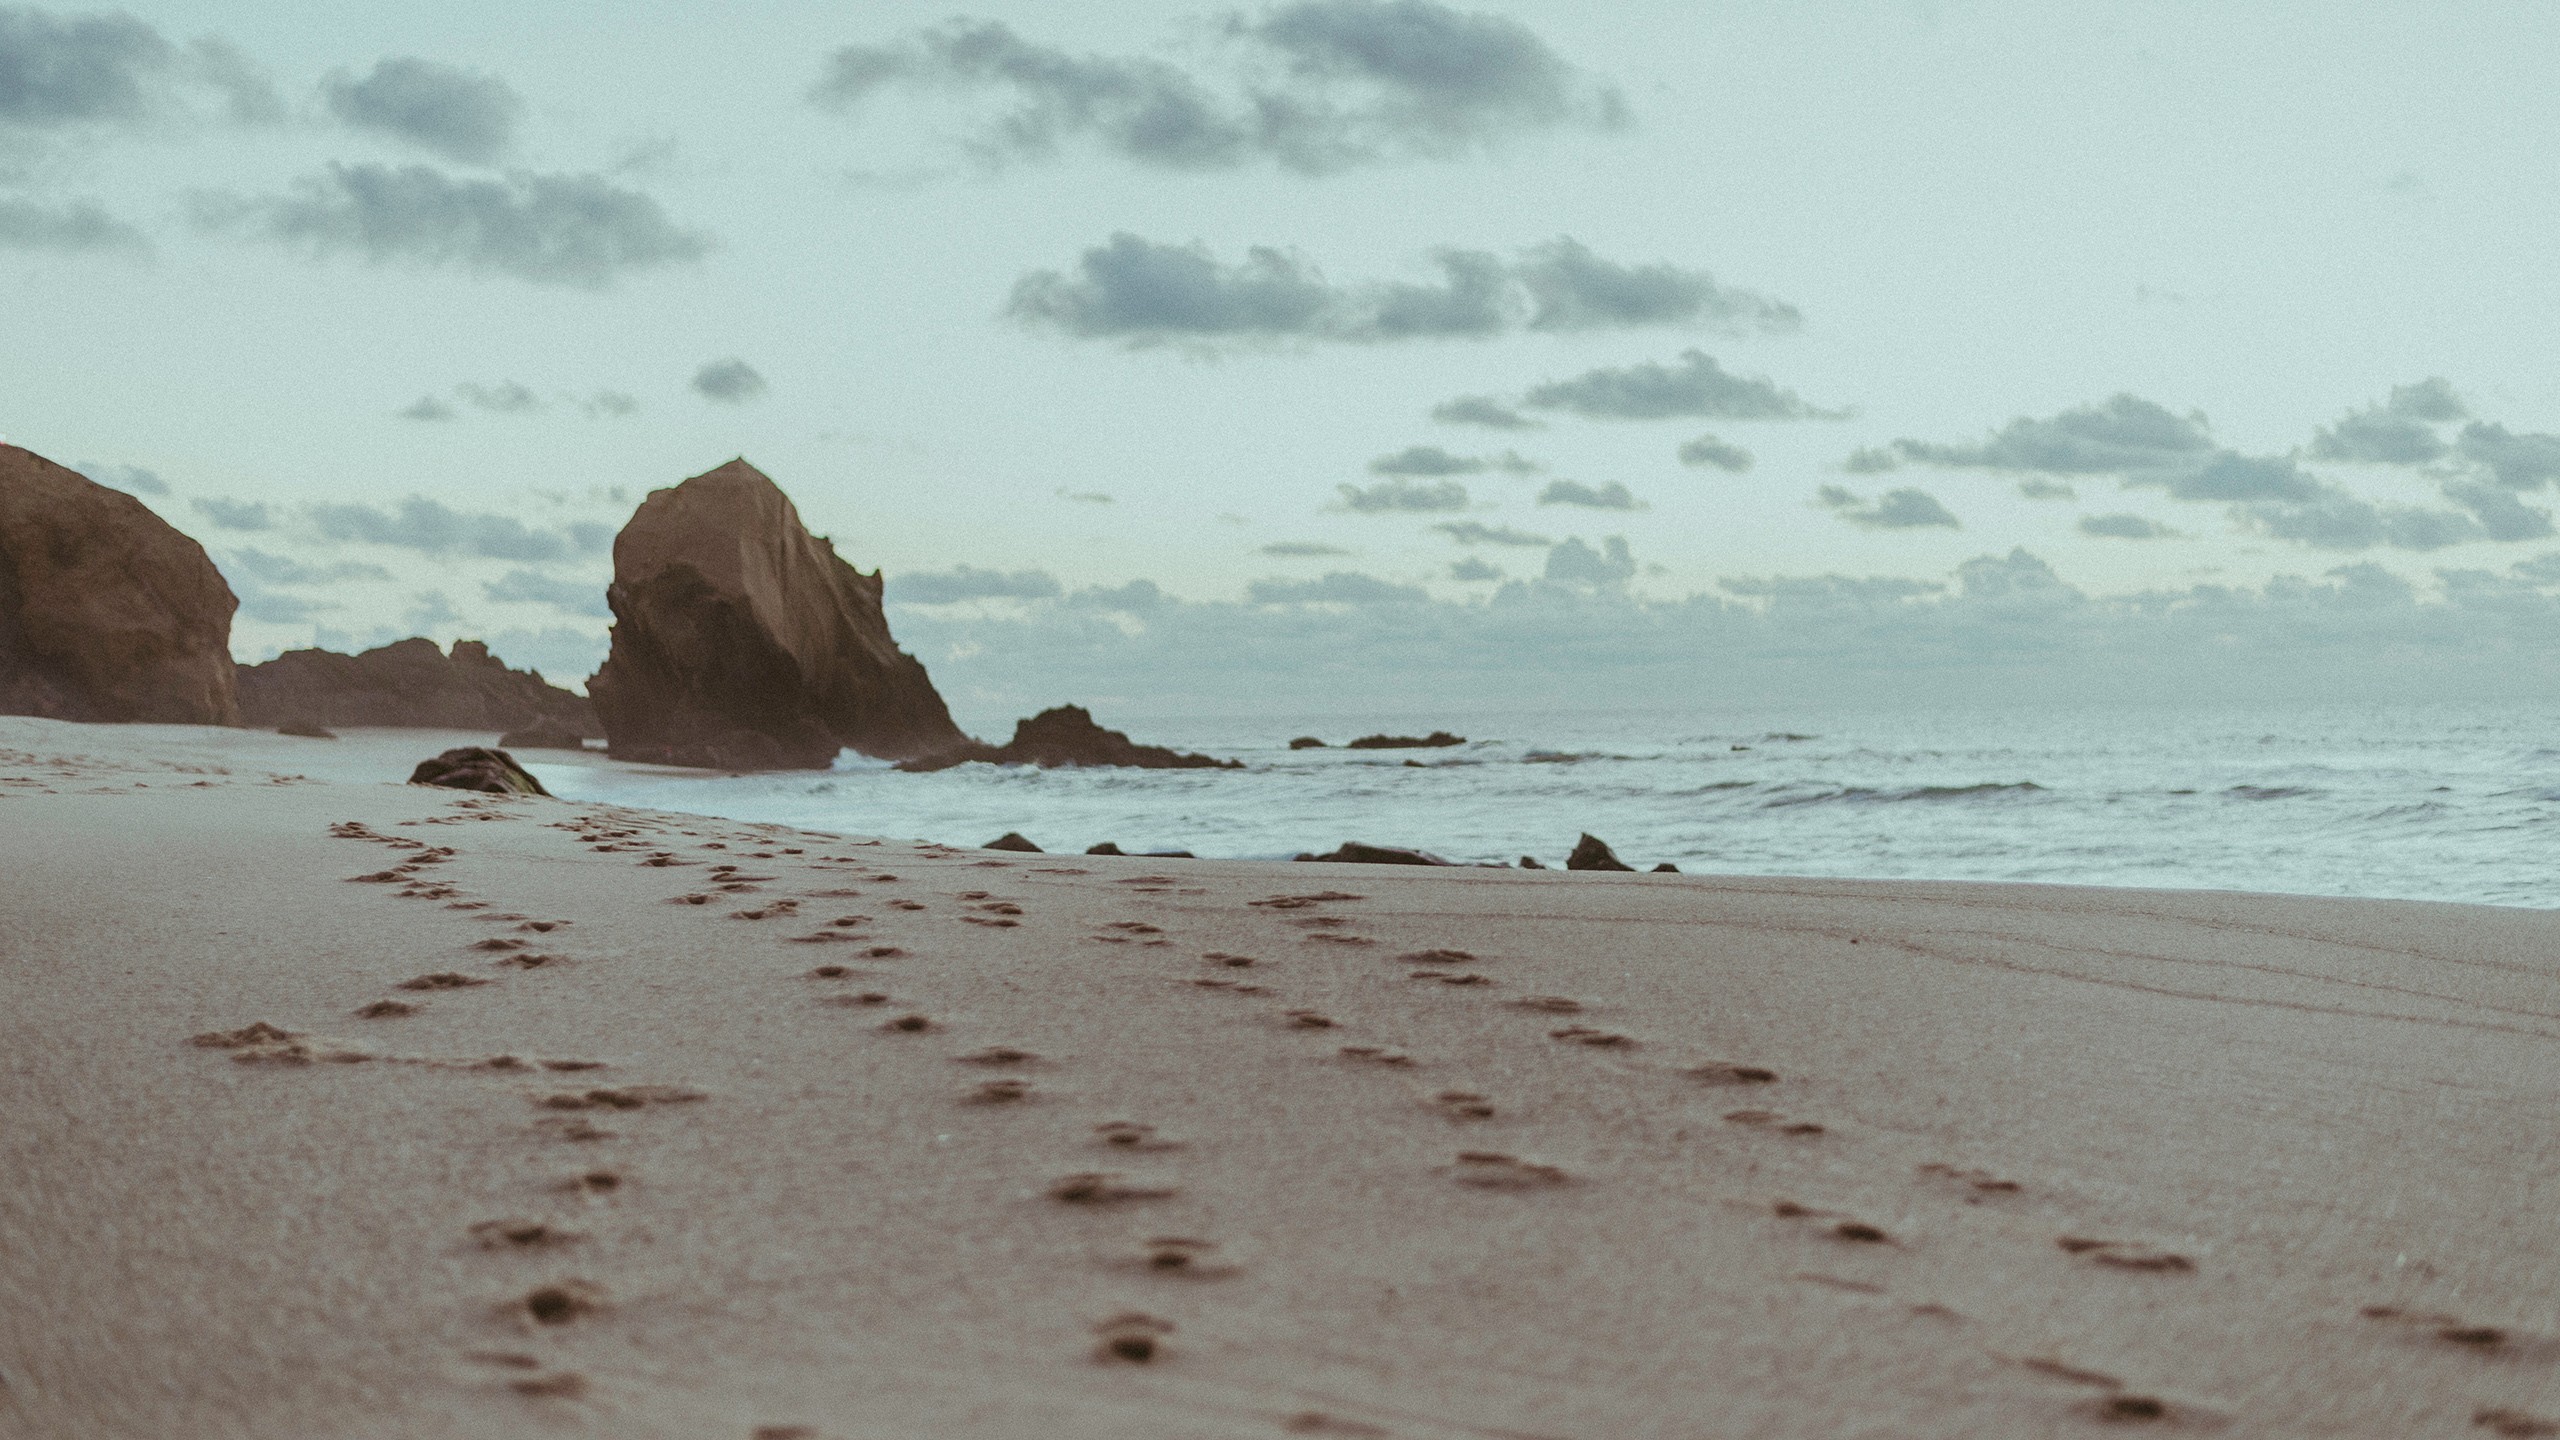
(106, 612)
(742, 641)
(408, 682)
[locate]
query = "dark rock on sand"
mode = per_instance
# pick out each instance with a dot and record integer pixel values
(1531, 862)
(107, 613)
(1354, 852)
(543, 737)
(303, 729)
(1666, 868)
(476, 767)
(1012, 840)
(1067, 735)
(1307, 742)
(742, 641)
(1433, 741)
(1105, 848)
(409, 683)
(1592, 853)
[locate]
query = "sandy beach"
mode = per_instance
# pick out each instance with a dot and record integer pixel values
(338, 1107)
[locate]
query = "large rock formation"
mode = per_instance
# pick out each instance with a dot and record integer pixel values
(408, 682)
(741, 641)
(106, 612)
(1067, 735)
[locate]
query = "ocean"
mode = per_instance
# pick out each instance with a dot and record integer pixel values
(2452, 802)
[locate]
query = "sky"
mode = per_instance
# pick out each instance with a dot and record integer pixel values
(1198, 359)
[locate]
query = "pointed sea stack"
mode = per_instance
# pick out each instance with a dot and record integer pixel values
(106, 611)
(743, 642)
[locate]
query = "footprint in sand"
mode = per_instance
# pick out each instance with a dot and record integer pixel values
(1445, 977)
(1437, 957)
(1376, 1055)
(867, 997)
(1105, 1187)
(1309, 1020)
(622, 1097)
(998, 1055)
(1981, 1185)
(1593, 1036)
(2126, 1255)
(1132, 1338)
(999, 1092)
(1182, 1257)
(1316, 1422)
(1774, 1122)
(386, 1010)
(593, 1182)
(830, 972)
(442, 980)
(521, 1235)
(1222, 957)
(558, 1303)
(1291, 902)
(1462, 1105)
(1493, 1170)
(1721, 1072)
(1133, 1135)
(909, 1024)
(1550, 1004)
(2454, 1330)
(2500, 1420)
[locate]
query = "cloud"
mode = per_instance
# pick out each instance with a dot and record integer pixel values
(1299, 550)
(1573, 289)
(132, 479)
(1611, 496)
(2520, 462)
(1575, 563)
(76, 70)
(1871, 460)
(1904, 509)
(506, 397)
(967, 582)
(1426, 460)
(1396, 493)
(284, 570)
(2374, 437)
(79, 226)
(1709, 452)
(1145, 293)
(579, 230)
(235, 514)
(1472, 532)
(431, 528)
(2124, 527)
(1138, 597)
(2333, 519)
(610, 402)
(1696, 386)
(428, 408)
(2228, 475)
(2037, 487)
(2501, 515)
(2431, 399)
(1472, 569)
(2123, 435)
(249, 96)
(1315, 86)
(731, 382)
(1341, 587)
(529, 588)
(430, 610)
(459, 114)
(1483, 410)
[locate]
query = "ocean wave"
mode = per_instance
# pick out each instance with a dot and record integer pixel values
(2268, 792)
(1864, 795)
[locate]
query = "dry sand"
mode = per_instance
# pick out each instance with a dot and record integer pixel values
(1066, 1147)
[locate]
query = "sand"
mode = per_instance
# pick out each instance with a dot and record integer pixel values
(1022, 1145)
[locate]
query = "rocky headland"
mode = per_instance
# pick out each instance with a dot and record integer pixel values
(409, 682)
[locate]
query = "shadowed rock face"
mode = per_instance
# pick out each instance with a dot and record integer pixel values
(477, 767)
(409, 682)
(1067, 735)
(106, 612)
(743, 642)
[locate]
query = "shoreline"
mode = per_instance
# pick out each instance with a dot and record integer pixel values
(1476, 1152)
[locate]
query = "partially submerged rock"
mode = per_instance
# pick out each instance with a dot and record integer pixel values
(477, 767)
(1437, 739)
(107, 613)
(1067, 735)
(1012, 840)
(1353, 852)
(410, 683)
(1593, 853)
(742, 641)
(1307, 742)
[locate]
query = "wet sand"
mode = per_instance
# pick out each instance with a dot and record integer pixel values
(336, 1107)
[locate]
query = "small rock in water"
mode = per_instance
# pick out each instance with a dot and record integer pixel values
(1308, 742)
(1666, 868)
(1530, 862)
(1012, 840)
(1437, 739)
(1593, 853)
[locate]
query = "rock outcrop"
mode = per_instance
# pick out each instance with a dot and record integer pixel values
(409, 682)
(106, 611)
(1067, 735)
(741, 641)
(1593, 853)
(1354, 852)
(1437, 739)
(476, 767)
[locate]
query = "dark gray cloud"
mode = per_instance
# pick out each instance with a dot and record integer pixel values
(79, 69)
(80, 225)
(1472, 569)
(2374, 437)
(2229, 475)
(731, 381)
(1398, 494)
(1426, 460)
(1299, 550)
(2520, 462)
(1708, 452)
(1904, 509)
(285, 570)
(570, 596)
(2501, 515)
(2121, 436)
(1611, 496)
(1341, 587)
(1576, 563)
(132, 479)
(1144, 293)
(1483, 410)
(428, 408)
(2431, 399)
(580, 230)
(1695, 387)
(506, 397)
(460, 114)
(235, 514)
(968, 582)
(1317, 86)
(2334, 519)
(1473, 532)
(2123, 526)
(431, 528)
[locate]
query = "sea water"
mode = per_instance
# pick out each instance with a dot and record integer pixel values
(2422, 802)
